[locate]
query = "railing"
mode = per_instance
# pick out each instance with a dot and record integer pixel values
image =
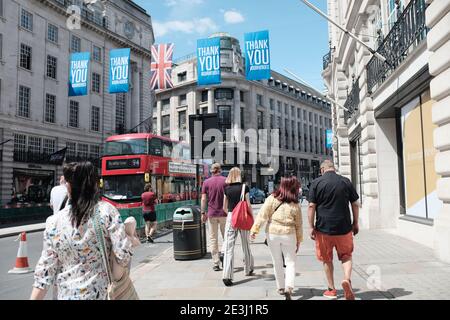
(352, 103)
(86, 14)
(31, 157)
(187, 57)
(326, 60)
(406, 34)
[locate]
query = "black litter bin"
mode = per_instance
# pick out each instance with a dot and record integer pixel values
(189, 234)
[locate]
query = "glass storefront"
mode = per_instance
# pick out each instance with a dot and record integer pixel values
(418, 154)
(32, 186)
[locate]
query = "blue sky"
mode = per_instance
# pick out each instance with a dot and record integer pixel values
(298, 36)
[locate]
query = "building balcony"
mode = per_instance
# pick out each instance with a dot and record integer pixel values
(31, 157)
(352, 103)
(86, 14)
(326, 60)
(405, 36)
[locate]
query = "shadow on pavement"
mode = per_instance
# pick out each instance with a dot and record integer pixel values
(310, 293)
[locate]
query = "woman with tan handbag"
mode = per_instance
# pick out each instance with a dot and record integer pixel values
(282, 214)
(86, 251)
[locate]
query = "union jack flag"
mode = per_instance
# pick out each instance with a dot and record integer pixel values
(161, 67)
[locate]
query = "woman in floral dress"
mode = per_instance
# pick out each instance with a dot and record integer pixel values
(71, 258)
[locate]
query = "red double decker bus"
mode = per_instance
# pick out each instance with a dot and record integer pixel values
(130, 161)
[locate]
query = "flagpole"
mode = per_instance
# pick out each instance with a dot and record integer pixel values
(375, 53)
(332, 100)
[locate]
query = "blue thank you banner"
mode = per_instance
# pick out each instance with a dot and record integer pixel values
(79, 74)
(257, 55)
(119, 70)
(208, 61)
(329, 138)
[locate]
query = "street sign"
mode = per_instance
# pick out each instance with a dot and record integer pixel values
(198, 125)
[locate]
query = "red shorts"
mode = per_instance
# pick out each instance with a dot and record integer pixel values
(325, 244)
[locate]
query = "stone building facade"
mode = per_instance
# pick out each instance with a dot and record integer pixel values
(37, 118)
(393, 143)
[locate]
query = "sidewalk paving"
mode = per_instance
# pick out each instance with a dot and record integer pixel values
(385, 267)
(12, 231)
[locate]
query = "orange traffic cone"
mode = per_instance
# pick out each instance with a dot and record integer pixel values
(22, 265)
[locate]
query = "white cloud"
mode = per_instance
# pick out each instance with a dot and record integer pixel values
(233, 16)
(199, 26)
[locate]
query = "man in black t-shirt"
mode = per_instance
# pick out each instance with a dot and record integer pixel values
(331, 224)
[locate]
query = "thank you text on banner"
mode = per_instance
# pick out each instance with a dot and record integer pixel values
(329, 138)
(208, 61)
(79, 71)
(257, 54)
(119, 70)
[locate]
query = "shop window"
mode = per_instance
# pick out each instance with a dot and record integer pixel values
(419, 179)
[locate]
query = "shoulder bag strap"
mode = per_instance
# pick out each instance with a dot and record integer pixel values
(278, 207)
(243, 192)
(101, 240)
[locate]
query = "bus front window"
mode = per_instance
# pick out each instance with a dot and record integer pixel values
(125, 188)
(126, 147)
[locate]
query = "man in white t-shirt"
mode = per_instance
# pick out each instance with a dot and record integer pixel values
(57, 195)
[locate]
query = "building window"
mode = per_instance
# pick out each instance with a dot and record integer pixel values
(95, 119)
(259, 100)
(49, 146)
(272, 121)
(20, 147)
(52, 33)
(83, 150)
(26, 20)
(279, 104)
(204, 96)
(183, 100)
(299, 113)
(1, 46)
(155, 126)
(1, 8)
(50, 107)
(75, 44)
(73, 114)
(293, 111)
(25, 56)
(260, 120)
(224, 115)
(165, 105)
(182, 125)
(286, 109)
(165, 125)
(242, 119)
(419, 179)
(182, 76)
(96, 82)
(34, 145)
(52, 67)
(71, 149)
(24, 102)
(272, 104)
(94, 151)
(242, 94)
(97, 54)
(120, 112)
(226, 94)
